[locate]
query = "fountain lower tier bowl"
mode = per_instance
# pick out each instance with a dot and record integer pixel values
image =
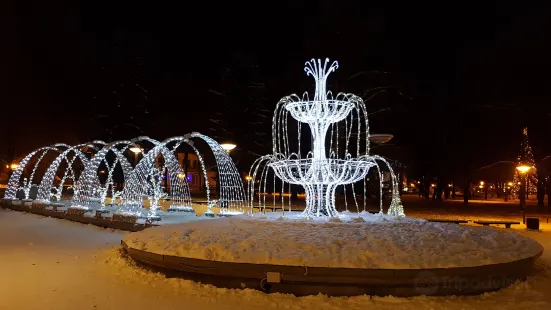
(328, 111)
(321, 171)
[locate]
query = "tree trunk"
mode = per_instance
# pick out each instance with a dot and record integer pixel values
(466, 191)
(541, 193)
(439, 189)
(294, 192)
(522, 192)
(186, 162)
(453, 189)
(427, 188)
(400, 184)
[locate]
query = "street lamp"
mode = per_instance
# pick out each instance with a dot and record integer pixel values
(14, 166)
(523, 169)
(228, 147)
(136, 149)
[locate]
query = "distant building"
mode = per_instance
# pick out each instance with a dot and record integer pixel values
(195, 176)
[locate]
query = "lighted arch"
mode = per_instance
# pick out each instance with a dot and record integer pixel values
(126, 170)
(232, 197)
(88, 188)
(139, 184)
(13, 183)
(70, 172)
(45, 187)
(263, 162)
(184, 139)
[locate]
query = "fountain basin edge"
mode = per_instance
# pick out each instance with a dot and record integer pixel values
(303, 281)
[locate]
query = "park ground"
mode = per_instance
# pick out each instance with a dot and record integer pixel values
(47, 263)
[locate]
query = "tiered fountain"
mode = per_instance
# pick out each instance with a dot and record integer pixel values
(322, 170)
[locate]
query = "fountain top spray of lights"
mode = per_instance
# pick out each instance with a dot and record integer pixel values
(318, 173)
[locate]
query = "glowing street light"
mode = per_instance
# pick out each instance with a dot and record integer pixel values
(228, 147)
(14, 166)
(248, 178)
(136, 149)
(523, 169)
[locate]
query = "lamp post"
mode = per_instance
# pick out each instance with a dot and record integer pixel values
(228, 147)
(12, 168)
(249, 179)
(136, 150)
(522, 191)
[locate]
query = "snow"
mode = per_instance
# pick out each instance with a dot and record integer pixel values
(48, 263)
(377, 242)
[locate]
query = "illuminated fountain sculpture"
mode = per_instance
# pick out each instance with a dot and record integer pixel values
(323, 169)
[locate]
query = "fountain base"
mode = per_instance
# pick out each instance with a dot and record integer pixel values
(426, 263)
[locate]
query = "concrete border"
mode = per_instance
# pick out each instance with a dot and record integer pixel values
(302, 281)
(40, 209)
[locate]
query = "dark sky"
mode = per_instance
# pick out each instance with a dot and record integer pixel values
(463, 79)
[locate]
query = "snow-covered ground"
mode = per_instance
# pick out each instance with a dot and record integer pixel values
(366, 241)
(47, 263)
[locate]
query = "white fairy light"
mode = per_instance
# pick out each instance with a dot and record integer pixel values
(88, 189)
(13, 183)
(318, 174)
(232, 199)
(142, 182)
(45, 187)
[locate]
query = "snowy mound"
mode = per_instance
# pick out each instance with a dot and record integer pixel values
(371, 241)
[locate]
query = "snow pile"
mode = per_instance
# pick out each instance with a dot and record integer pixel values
(375, 242)
(47, 263)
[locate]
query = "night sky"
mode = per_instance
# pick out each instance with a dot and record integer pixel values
(462, 81)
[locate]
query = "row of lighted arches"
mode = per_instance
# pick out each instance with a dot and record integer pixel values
(140, 182)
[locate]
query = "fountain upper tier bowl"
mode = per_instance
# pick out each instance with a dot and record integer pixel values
(324, 171)
(327, 111)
